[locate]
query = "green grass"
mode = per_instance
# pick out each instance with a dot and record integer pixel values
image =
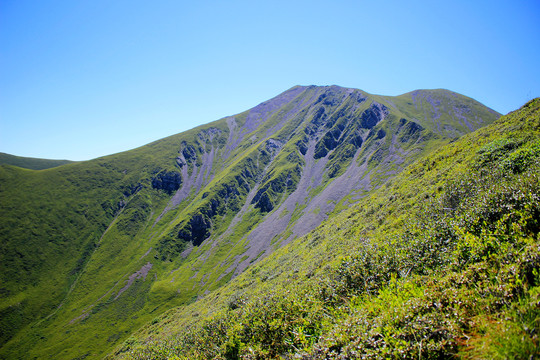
(30, 163)
(73, 235)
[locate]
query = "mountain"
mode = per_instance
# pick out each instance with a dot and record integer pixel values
(442, 261)
(93, 250)
(30, 163)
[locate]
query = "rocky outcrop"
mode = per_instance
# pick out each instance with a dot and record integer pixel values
(207, 135)
(326, 144)
(302, 145)
(217, 202)
(408, 130)
(372, 115)
(284, 182)
(197, 229)
(264, 203)
(169, 181)
(273, 145)
(189, 153)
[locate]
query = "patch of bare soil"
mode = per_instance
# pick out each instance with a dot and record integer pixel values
(262, 112)
(195, 180)
(238, 217)
(276, 222)
(140, 274)
(355, 178)
(299, 106)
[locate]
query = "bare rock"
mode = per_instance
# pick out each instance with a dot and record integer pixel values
(168, 181)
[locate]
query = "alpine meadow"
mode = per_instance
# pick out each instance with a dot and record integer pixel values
(324, 223)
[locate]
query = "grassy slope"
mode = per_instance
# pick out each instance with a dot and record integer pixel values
(431, 108)
(440, 261)
(30, 163)
(53, 230)
(80, 246)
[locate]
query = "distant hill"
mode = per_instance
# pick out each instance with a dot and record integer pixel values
(93, 250)
(30, 163)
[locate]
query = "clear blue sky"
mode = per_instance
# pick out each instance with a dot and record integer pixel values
(82, 79)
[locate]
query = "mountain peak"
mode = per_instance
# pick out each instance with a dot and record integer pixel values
(127, 236)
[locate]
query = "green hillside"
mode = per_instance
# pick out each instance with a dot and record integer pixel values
(91, 251)
(30, 163)
(442, 261)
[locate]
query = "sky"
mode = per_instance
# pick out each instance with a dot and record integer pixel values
(88, 78)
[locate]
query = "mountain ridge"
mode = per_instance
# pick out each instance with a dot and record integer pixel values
(427, 265)
(30, 162)
(163, 224)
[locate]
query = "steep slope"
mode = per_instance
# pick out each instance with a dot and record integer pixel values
(441, 262)
(30, 163)
(91, 251)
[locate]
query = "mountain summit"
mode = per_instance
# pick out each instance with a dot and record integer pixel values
(93, 250)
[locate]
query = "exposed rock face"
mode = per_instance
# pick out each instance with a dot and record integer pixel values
(283, 183)
(264, 203)
(375, 113)
(208, 135)
(332, 125)
(319, 116)
(167, 181)
(197, 230)
(272, 145)
(408, 130)
(189, 153)
(342, 131)
(225, 197)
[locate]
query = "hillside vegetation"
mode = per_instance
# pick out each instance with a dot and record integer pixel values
(442, 261)
(91, 251)
(30, 163)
